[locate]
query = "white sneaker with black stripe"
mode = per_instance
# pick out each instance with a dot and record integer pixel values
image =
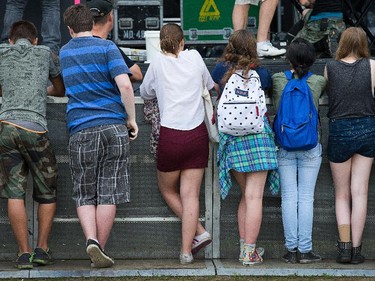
(200, 241)
(265, 49)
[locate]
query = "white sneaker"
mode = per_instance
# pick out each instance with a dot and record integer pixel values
(265, 49)
(200, 241)
(260, 251)
(251, 256)
(186, 258)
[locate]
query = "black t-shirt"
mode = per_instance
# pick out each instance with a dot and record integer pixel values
(127, 60)
(322, 6)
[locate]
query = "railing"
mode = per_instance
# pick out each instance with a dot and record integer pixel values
(147, 228)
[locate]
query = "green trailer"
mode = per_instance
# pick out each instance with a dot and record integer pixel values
(210, 21)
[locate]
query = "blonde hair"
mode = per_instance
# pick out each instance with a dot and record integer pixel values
(354, 42)
(171, 36)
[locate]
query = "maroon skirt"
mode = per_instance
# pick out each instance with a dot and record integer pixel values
(179, 150)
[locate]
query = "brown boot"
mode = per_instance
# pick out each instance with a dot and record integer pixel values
(344, 252)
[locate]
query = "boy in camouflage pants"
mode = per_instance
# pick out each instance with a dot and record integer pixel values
(24, 144)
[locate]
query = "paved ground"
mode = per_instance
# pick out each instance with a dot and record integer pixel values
(123, 268)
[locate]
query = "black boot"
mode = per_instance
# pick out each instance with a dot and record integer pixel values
(356, 255)
(344, 252)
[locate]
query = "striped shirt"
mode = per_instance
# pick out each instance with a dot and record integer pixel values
(89, 66)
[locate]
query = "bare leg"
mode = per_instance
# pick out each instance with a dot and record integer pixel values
(105, 217)
(240, 16)
(190, 185)
(266, 13)
(254, 204)
(361, 169)
(87, 219)
(18, 221)
(241, 211)
(341, 178)
(46, 213)
(169, 189)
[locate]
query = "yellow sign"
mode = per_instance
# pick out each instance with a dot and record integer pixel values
(209, 11)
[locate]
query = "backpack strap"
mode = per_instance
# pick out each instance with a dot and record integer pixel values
(307, 76)
(289, 75)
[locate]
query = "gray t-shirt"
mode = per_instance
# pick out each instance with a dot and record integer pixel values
(349, 89)
(24, 75)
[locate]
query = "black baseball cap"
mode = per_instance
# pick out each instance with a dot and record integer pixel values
(99, 8)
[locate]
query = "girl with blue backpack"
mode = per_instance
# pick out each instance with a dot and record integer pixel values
(296, 95)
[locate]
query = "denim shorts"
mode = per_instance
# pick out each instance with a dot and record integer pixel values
(351, 136)
(242, 2)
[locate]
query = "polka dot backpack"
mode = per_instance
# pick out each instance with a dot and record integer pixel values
(242, 105)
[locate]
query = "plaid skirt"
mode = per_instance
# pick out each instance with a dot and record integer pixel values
(250, 153)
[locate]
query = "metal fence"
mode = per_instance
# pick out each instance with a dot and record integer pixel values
(146, 227)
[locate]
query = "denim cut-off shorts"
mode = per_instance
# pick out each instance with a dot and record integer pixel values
(351, 136)
(243, 2)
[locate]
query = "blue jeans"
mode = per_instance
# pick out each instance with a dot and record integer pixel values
(298, 174)
(50, 21)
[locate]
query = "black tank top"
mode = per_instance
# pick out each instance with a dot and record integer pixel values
(349, 89)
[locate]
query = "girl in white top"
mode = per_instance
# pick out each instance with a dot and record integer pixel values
(176, 78)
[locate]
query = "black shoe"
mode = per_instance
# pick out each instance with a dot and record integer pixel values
(24, 261)
(357, 258)
(99, 259)
(344, 252)
(308, 257)
(290, 256)
(42, 257)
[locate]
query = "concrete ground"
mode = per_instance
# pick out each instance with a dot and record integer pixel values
(270, 267)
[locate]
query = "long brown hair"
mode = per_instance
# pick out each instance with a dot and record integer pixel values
(353, 41)
(171, 36)
(240, 53)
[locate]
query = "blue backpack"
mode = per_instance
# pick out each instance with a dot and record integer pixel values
(296, 121)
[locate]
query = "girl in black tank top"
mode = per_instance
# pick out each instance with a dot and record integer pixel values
(351, 139)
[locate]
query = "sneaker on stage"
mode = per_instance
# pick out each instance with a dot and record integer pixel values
(265, 49)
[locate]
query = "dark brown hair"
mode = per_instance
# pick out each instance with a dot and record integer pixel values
(354, 42)
(301, 55)
(241, 53)
(23, 29)
(171, 36)
(79, 18)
